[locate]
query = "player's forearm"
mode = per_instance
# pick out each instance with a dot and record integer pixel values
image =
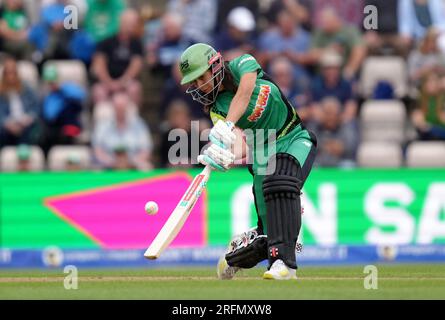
(237, 108)
(240, 101)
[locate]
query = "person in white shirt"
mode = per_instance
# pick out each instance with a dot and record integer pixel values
(124, 141)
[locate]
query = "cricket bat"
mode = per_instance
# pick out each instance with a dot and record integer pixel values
(178, 217)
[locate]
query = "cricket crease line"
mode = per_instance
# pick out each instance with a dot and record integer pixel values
(186, 278)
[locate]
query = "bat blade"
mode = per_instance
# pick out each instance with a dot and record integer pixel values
(179, 216)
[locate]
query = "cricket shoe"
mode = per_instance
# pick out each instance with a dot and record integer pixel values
(279, 271)
(224, 271)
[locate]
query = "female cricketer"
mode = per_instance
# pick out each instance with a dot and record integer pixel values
(240, 96)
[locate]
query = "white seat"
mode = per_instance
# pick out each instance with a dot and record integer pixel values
(59, 156)
(391, 69)
(383, 120)
(379, 155)
(9, 159)
(429, 154)
(70, 70)
(28, 73)
(33, 8)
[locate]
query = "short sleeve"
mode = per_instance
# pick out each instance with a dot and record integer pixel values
(104, 46)
(244, 64)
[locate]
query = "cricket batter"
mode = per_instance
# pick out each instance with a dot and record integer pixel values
(240, 96)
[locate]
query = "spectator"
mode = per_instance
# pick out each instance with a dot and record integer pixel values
(102, 18)
(123, 142)
(61, 109)
(346, 40)
(331, 83)
(179, 151)
(415, 17)
(224, 8)
(14, 25)
(18, 108)
(52, 41)
(199, 19)
(385, 40)
(161, 55)
(117, 63)
(237, 33)
(288, 39)
(426, 58)
(429, 117)
(295, 92)
(349, 11)
(300, 10)
(337, 141)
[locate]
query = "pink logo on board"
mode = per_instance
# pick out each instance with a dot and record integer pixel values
(114, 217)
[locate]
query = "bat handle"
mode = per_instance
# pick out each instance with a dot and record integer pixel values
(207, 169)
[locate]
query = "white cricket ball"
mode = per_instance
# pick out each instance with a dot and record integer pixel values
(151, 207)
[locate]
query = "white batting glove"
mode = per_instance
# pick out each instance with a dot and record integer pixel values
(218, 158)
(222, 134)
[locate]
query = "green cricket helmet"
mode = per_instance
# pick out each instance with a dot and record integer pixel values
(194, 62)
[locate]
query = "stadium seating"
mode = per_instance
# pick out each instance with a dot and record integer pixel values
(9, 159)
(71, 70)
(379, 155)
(429, 154)
(28, 73)
(392, 69)
(32, 8)
(383, 120)
(60, 156)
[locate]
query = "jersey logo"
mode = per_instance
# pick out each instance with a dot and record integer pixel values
(245, 60)
(261, 103)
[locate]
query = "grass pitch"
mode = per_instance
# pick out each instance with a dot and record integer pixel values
(394, 282)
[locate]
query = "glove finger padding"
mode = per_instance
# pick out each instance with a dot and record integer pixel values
(221, 156)
(223, 132)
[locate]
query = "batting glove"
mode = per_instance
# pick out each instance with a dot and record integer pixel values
(222, 134)
(217, 158)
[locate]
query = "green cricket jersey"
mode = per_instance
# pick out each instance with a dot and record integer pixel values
(267, 108)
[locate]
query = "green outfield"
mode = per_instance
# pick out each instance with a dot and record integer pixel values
(394, 282)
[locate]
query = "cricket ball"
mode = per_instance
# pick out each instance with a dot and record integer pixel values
(151, 207)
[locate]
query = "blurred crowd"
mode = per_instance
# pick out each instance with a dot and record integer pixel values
(94, 84)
